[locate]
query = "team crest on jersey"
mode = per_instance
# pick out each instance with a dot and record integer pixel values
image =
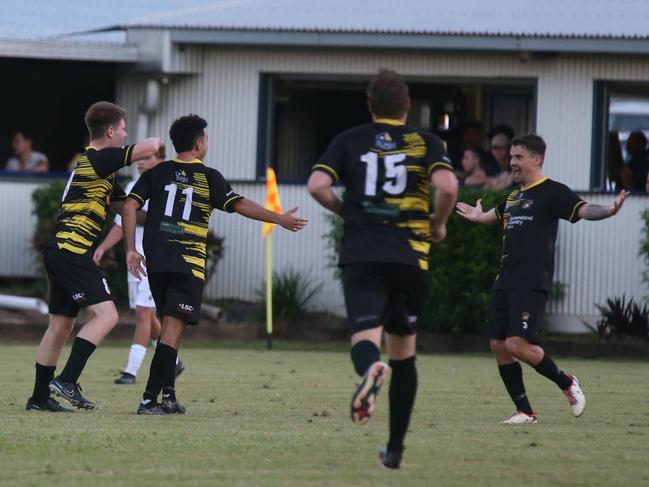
(384, 141)
(181, 176)
(526, 204)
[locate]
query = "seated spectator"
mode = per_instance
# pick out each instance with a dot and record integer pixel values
(26, 159)
(634, 173)
(499, 170)
(472, 138)
(472, 174)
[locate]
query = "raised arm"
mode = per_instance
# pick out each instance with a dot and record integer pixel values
(146, 148)
(475, 213)
(288, 220)
(134, 261)
(590, 211)
(320, 185)
(445, 184)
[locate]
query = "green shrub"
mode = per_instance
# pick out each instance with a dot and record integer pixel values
(292, 293)
(620, 319)
(462, 270)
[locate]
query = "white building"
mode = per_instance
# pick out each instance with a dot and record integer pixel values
(276, 80)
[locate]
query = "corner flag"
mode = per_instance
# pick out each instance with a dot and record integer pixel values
(273, 204)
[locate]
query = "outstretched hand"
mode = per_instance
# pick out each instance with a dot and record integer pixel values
(136, 264)
(619, 201)
(471, 213)
(292, 222)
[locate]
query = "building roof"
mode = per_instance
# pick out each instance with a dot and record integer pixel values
(597, 19)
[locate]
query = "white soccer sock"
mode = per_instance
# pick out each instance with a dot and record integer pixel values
(135, 358)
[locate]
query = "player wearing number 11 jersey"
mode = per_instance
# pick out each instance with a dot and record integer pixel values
(182, 194)
(387, 168)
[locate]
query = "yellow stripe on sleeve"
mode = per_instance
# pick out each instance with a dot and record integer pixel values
(329, 170)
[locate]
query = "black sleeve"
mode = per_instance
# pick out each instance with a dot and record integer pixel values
(222, 195)
(332, 161)
(106, 161)
(118, 193)
(141, 191)
(436, 157)
(566, 203)
(500, 209)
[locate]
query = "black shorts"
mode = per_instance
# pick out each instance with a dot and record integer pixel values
(177, 294)
(384, 294)
(516, 313)
(75, 282)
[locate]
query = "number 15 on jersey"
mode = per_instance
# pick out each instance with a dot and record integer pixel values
(396, 174)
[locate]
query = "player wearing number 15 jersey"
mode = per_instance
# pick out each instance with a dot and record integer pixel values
(182, 194)
(387, 168)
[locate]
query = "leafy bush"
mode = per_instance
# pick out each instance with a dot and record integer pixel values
(462, 270)
(292, 293)
(621, 319)
(47, 201)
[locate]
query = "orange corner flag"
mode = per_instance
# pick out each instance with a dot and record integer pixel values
(273, 202)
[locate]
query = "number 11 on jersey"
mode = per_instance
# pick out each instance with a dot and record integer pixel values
(172, 189)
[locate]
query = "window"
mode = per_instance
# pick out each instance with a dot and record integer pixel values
(300, 115)
(620, 134)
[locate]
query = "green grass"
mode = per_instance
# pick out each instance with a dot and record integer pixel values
(281, 418)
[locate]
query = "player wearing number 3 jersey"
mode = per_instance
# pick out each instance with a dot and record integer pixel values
(182, 194)
(387, 168)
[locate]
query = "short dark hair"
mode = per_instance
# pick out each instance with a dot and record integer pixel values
(102, 115)
(532, 142)
(388, 94)
(26, 133)
(185, 130)
(477, 152)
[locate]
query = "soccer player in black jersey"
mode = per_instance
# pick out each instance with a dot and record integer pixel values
(387, 168)
(529, 216)
(182, 194)
(75, 281)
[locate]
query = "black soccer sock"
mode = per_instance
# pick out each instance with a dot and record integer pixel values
(547, 368)
(163, 359)
(170, 377)
(364, 354)
(403, 389)
(512, 376)
(81, 351)
(44, 375)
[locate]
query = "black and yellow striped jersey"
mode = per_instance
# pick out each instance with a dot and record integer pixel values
(89, 191)
(385, 167)
(530, 219)
(181, 198)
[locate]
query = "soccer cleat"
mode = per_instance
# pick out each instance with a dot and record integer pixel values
(125, 378)
(576, 397)
(150, 409)
(180, 367)
(51, 405)
(519, 417)
(170, 404)
(390, 459)
(71, 393)
(364, 397)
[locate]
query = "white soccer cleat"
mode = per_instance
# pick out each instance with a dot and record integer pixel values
(519, 417)
(576, 397)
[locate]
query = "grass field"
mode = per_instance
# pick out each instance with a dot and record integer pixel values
(281, 418)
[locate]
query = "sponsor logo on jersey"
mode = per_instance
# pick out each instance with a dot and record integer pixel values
(181, 176)
(383, 141)
(526, 204)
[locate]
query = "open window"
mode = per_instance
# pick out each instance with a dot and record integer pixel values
(300, 115)
(620, 135)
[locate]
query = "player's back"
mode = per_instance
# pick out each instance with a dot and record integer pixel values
(181, 198)
(87, 195)
(386, 169)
